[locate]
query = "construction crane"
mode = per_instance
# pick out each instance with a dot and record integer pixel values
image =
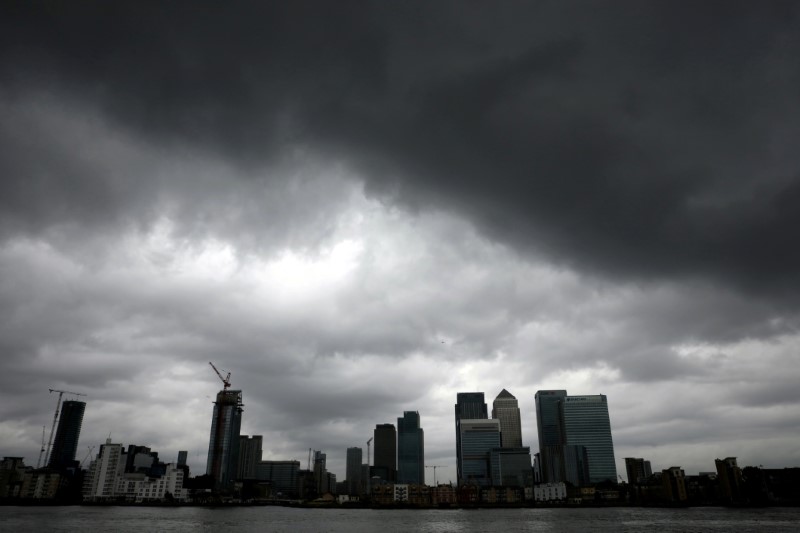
(434, 472)
(369, 443)
(61, 393)
(226, 381)
(91, 448)
(41, 452)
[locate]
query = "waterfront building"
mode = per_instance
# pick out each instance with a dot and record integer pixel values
(511, 466)
(638, 470)
(550, 492)
(223, 446)
(354, 458)
(505, 408)
(731, 482)
(478, 438)
(586, 423)
(410, 449)
(100, 481)
(469, 406)
(249, 456)
(284, 476)
(41, 484)
(62, 454)
(385, 458)
(551, 434)
(673, 480)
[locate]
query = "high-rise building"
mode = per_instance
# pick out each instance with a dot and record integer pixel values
(183, 455)
(385, 459)
(469, 406)
(223, 445)
(551, 434)
(505, 408)
(282, 474)
(638, 470)
(354, 458)
(511, 466)
(321, 472)
(249, 456)
(62, 454)
(101, 478)
(478, 438)
(410, 449)
(587, 424)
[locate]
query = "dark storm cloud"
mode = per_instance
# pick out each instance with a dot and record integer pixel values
(634, 139)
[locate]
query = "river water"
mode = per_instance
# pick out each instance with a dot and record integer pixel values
(201, 519)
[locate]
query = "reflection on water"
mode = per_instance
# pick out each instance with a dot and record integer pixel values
(194, 519)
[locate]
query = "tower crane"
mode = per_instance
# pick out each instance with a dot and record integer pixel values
(434, 472)
(88, 454)
(41, 452)
(226, 381)
(55, 418)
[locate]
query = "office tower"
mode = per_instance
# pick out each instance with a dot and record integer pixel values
(321, 472)
(182, 456)
(638, 470)
(385, 459)
(140, 459)
(410, 449)
(586, 423)
(511, 466)
(478, 438)
(249, 456)
(354, 458)
(62, 455)
(471, 406)
(223, 446)
(505, 408)
(551, 434)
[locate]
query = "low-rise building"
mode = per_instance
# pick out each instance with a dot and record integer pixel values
(550, 492)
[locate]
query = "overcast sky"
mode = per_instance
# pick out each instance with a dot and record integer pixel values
(361, 208)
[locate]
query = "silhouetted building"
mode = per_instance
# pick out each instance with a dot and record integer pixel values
(249, 456)
(385, 459)
(674, 483)
(478, 438)
(586, 423)
(469, 406)
(223, 446)
(182, 457)
(354, 458)
(140, 459)
(410, 449)
(638, 470)
(729, 477)
(551, 434)
(505, 408)
(62, 454)
(511, 466)
(284, 476)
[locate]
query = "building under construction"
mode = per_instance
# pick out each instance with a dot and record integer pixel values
(223, 444)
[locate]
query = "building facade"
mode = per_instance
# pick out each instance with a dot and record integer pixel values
(223, 446)
(511, 467)
(385, 458)
(587, 424)
(284, 476)
(62, 454)
(354, 459)
(638, 470)
(101, 478)
(551, 434)
(410, 449)
(469, 406)
(249, 456)
(478, 438)
(505, 408)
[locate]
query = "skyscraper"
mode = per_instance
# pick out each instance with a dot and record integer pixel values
(551, 434)
(505, 408)
(478, 438)
(385, 460)
(587, 424)
(638, 470)
(249, 456)
(471, 406)
(223, 445)
(354, 458)
(62, 455)
(410, 449)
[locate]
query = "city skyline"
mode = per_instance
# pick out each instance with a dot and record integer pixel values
(362, 210)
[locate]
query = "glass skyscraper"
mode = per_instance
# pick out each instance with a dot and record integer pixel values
(551, 434)
(62, 455)
(505, 408)
(354, 458)
(587, 424)
(223, 445)
(410, 449)
(478, 438)
(385, 459)
(472, 406)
